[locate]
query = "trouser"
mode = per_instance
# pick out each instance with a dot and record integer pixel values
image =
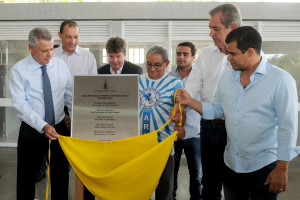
(43, 169)
(165, 186)
(87, 195)
(245, 186)
(213, 141)
(32, 147)
(192, 152)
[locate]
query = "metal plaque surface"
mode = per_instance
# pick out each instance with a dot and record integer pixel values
(105, 107)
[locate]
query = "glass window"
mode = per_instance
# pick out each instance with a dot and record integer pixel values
(285, 55)
(138, 50)
(10, 53)
(136, 55)
(104, 56)
(96, 48)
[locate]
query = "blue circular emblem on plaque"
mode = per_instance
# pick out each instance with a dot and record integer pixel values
(149, 98)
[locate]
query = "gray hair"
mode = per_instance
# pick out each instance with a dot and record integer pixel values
(159, 50)
(231, 14)
(37, 34)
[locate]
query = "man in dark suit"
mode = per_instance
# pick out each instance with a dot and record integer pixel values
(116, 50)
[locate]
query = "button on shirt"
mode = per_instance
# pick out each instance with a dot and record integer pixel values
(261, 121)
(192, 123)
(80, 62)
(26, 88)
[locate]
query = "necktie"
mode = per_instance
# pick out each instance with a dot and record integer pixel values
(48, 100)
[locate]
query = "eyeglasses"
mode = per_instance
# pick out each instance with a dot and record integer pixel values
(155, 65)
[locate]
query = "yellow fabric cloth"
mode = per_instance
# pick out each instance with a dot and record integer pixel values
(127, 169)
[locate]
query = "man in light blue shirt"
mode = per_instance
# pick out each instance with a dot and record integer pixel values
(26, 84)
(260, 106)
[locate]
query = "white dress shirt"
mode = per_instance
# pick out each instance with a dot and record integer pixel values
(207, 70)
(80, 62)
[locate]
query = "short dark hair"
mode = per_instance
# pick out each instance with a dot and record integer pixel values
(116, 45)
(188, 44)
(231, 14)
(69, 22)
(246, 37)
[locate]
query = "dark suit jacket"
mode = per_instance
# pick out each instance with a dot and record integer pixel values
(128, 68)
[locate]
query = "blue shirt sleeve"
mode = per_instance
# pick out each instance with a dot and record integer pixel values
(286, 107)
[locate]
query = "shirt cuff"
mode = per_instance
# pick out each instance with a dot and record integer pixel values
(40, 127)
(287, 153)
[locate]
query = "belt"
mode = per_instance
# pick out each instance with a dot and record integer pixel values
(215, 121)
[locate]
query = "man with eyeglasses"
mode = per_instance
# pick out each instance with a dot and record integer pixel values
(156, 93)
(185, 56)
(210, 64)
(40, 86)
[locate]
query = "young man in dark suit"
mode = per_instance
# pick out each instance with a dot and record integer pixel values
(116, 50)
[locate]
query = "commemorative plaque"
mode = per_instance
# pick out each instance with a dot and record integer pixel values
(105, 107)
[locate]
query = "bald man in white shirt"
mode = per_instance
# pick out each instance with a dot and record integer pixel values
(78, 60)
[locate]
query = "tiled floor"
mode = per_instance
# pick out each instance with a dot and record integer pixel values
(8, 179)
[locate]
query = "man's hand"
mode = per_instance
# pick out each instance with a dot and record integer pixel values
(176, 117)
(67, 121)
(183, 96)
(181, 132)
(278, 178)
(185, 99)
(50, 132)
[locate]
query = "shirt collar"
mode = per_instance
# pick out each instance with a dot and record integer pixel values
(215, 48)
(77, 50)
(261, 69)
(179, 76)
(155, 79)
(36, 65)
(119, 70)
(61, 50)
(176, 70)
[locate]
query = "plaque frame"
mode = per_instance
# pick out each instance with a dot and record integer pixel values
(105, 107)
